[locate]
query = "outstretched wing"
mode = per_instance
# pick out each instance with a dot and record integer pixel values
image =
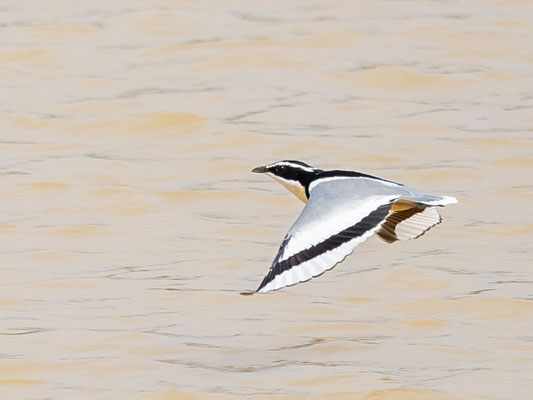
(337, 217)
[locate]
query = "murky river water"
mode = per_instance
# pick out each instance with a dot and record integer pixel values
(130, 221)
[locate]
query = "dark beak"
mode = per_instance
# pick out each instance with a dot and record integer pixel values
(260, 170)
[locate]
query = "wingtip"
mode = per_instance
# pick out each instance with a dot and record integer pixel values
(450, 199)
(442, 201)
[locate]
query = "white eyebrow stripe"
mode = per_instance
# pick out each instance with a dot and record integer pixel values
(289, 164)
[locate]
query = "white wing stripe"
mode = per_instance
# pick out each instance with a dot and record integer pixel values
(315, 259)
(361, 176)
(324, 227)
(316, 266)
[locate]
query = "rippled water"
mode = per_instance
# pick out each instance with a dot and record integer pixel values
(130, 221)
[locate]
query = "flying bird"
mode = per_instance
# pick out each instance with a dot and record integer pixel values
(343, 209)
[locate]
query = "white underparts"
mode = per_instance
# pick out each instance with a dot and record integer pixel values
(292, 186)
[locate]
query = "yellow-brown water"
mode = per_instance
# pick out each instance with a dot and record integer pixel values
(130, 221)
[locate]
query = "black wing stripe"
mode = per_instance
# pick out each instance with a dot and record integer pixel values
(370, 221)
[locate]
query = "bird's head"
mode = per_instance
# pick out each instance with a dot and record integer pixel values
(294, 175)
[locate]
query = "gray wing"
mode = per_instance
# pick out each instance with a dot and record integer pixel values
(334, 221)
(340, 214)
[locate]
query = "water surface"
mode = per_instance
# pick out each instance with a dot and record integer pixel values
(130, 221)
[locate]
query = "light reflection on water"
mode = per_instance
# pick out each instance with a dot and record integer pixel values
(131, 221)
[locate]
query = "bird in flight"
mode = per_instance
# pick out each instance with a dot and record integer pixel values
(343, 209)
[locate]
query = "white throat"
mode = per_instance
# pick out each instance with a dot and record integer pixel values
(292, 186)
